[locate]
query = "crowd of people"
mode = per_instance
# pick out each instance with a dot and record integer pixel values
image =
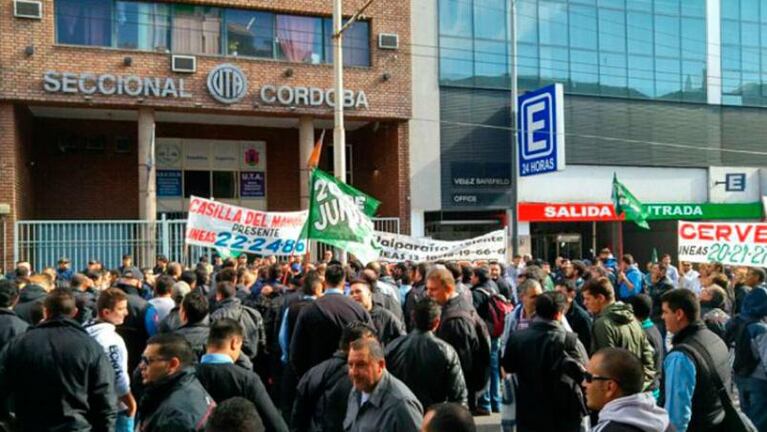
(254, 344)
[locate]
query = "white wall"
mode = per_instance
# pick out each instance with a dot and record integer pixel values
(589, 183)
(425, 175)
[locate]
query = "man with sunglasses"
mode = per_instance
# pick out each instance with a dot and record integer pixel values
(613, 381)
(173, 399)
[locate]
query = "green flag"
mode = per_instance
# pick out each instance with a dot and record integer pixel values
(626, 203)
(339, 215)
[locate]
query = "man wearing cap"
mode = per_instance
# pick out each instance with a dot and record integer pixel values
(64, 271)
(127, 265)
(160, 265)
(10, 324)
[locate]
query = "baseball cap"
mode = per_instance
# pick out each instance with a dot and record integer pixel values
(63, 260)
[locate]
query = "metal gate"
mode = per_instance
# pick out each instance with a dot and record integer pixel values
(42, 243)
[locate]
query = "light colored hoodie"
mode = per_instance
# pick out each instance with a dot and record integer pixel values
(117, 354)
(638, 410)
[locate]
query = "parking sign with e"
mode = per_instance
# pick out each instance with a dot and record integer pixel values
(540, 117)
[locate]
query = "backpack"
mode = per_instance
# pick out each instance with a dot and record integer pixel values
(566, 376)
(497, 309)
(737, 335)
(478, 376)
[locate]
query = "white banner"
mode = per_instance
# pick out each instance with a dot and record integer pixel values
(220, 225)
(398, 248)
(740, 244)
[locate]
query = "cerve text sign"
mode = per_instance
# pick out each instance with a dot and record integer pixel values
(541, 130)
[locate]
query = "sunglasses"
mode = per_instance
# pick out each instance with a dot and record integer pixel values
(589, 378)
(149, 360)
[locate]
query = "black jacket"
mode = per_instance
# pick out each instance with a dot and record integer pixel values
(480, 297)
(504, 288)
(170, 323)
(321, 397)
(389, 303)
(251, 321)
(10, 326)
(389, 326)
(531, 354)
(197, 335)
(177, 403)
(224, 381)
(318, 330)
(30, 303)
(416, 293)
(58, 378)
(461, 333)
(429, 367)
(580, 321)
(133, 330)
(655, 292)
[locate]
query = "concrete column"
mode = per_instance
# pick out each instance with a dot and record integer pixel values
(147, 186)
(305, 146)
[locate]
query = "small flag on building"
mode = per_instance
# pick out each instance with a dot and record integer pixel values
(626, 203)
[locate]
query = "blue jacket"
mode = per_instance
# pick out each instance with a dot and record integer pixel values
(755, 307)
(635, 276)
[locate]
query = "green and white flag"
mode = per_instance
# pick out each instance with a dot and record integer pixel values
(339, 215)
(625, 202)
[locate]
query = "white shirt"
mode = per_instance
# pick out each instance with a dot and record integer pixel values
(690, 281)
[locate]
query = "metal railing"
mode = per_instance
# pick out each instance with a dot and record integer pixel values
(43, 243)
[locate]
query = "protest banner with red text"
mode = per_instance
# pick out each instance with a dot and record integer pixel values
(740, 244)
(218, 225)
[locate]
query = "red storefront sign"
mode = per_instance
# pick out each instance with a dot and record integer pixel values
(568, 212)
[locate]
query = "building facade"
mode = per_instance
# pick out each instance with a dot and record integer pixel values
(99, 124)
(667, 94)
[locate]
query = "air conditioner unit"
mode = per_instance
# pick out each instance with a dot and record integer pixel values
(28, 9)
(183, 63)
(388, 41)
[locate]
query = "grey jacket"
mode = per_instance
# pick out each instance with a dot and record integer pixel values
(392, 407)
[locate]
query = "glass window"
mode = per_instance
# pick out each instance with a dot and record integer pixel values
(490, 19)
(731, 58)
(749, 59)
(356, 43)
(612, 31)
(527, 22)
(612, 73)
(527, 60)
(554, 63)
(583, 27)
(491, 64)
(196, 183)
(667, 36)
(667, 7)
(731, 32)
(749, 10)
(299, 38)
(224, 184)
(143, 26)
(84, 22)
(749, 34)
(552, 19)
(639, 33)
(694, 38)
(731, 9)
(456, 59)
(640, 5)
(730, 82)
(667, 82)
(641, 81)
(694, 8)
(612, 3)
(583, 67)
(249, 33)
(196, 29)
(455, 17)
(693, 75)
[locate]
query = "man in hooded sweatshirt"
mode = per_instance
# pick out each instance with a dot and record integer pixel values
(615, 326)
(614, 381)
(112, 307)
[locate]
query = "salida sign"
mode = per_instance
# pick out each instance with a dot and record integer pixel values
(605, 212)
(575, 212)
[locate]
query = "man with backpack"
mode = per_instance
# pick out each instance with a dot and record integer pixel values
(548, 362)
(748, 332)
(464, 330)
(229, 306)
(493, 308)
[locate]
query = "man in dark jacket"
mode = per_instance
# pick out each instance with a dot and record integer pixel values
(498, 275)
(173, 398)
(229, 306)
(195, 325)
(688, 391)
(577, 317)
(482, 290)
(10, 324)
(642, 305)
(660, 284)
(321, 395)
(389, 326)
(614, 383)
(464, 330)
(384, 294)
(416, 293)
(223, 379)
(133, 329)
(532, 354)
(319, 325)
(30, 304)
(56, 375)
(427, 365)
